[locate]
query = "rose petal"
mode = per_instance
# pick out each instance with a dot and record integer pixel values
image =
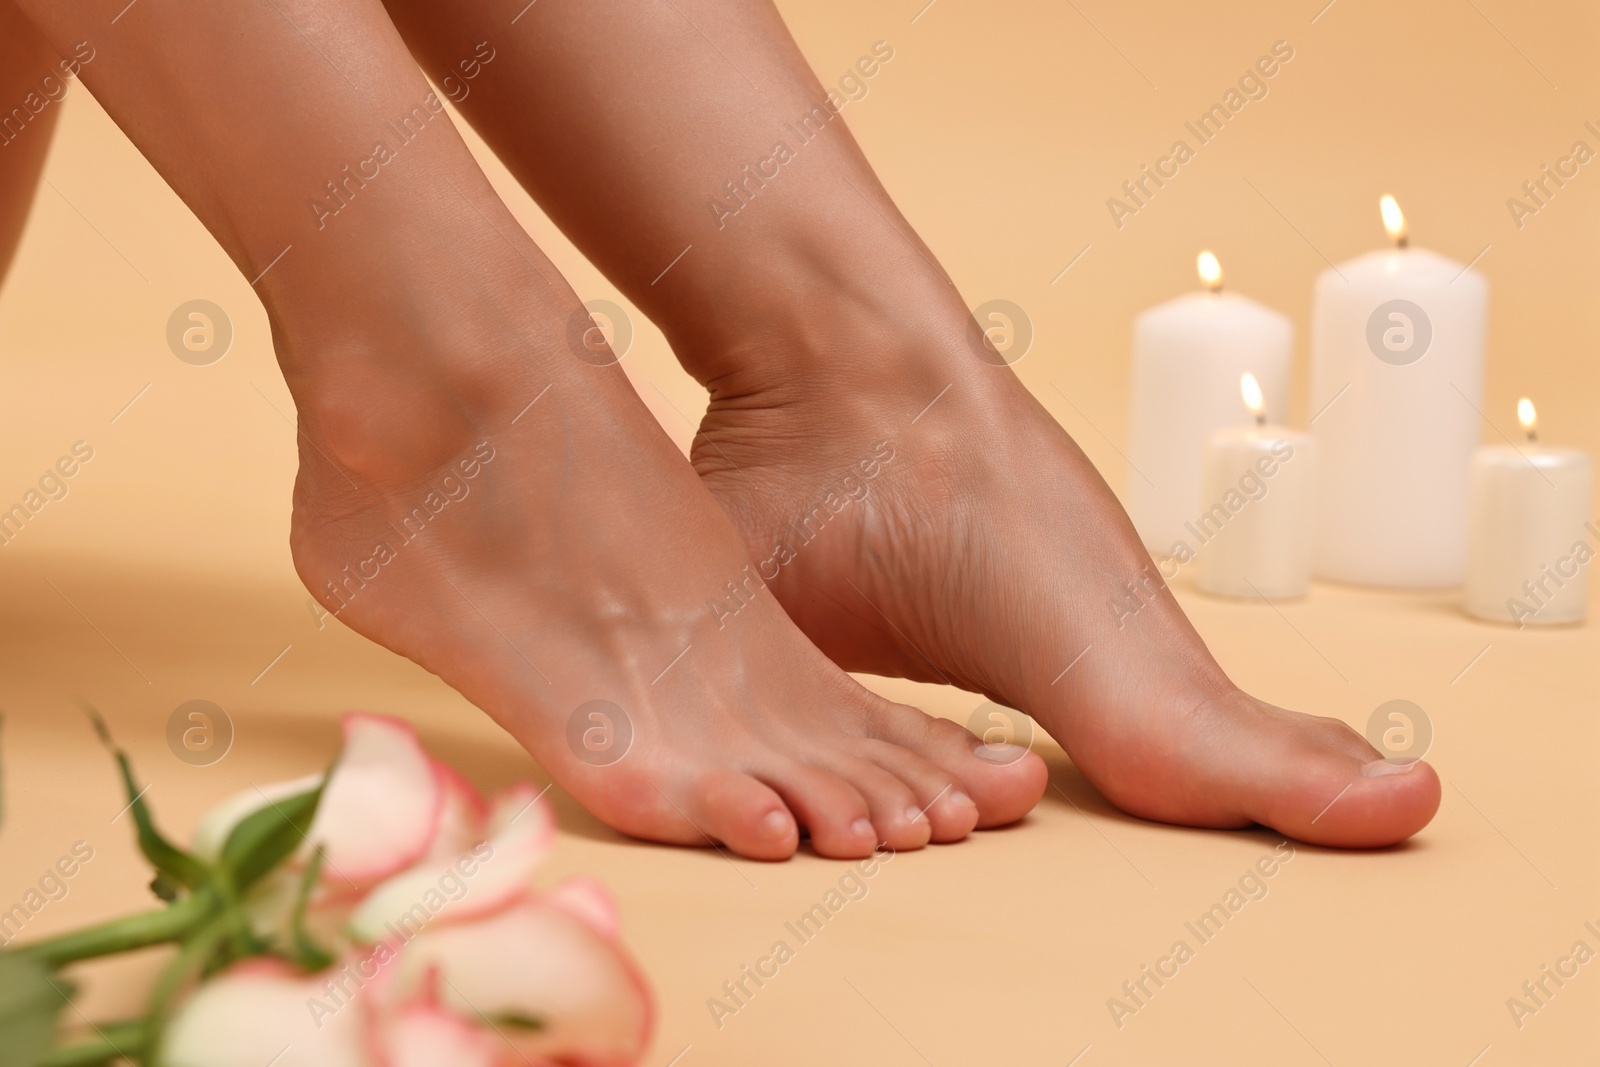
(379, 814)
(493, 874)
(462, 819)
(270, 906)
(261, 1012)
(422, 1035)
(536, 961)
(383, 803)
(589, 901)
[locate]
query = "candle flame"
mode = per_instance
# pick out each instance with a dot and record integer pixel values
(1527, 416)
(1250, 389)
(1394, 220)
(1210, 271)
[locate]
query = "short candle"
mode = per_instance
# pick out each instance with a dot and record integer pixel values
(1188, 354)
(1256, 529)
(1531, 540)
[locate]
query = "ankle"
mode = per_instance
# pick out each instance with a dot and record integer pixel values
(398, 387)
(380, 423)
(830, 330)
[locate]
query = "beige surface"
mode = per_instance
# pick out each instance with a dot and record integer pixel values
(163, 576)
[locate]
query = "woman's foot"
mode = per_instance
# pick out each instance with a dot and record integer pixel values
(509, 516)
(476, 494)
(721, 189)
(927, 518)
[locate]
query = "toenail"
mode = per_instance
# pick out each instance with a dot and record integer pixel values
(961, 800)
(861, 827)
(1379, 767)
(913, 813)
(1000, 754)
(776, 824)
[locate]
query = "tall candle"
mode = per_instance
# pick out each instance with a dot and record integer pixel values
(1256, 530)
(1188, 354)
(1530, 541)
(1396, 384)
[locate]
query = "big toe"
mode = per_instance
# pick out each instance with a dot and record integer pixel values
(1349, 801)
(1237, 761)
(1318, 781)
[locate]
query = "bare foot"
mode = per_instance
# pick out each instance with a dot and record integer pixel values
(475, 492)
(510, 517)
(988, 552)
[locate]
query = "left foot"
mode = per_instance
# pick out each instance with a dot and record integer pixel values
(978, 546)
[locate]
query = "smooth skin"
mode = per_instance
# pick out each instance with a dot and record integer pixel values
(29, 74)
(987, 553)
(990, 553)
(425, 340)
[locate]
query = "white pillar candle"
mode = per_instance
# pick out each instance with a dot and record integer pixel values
(1188, 354)
(1255, 529)
(1531, 540)
(1396, 384)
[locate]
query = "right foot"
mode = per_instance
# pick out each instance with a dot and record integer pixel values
(568, 553)
(990, 554)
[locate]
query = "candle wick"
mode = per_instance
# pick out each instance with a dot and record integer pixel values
(1533, 436)
(1403, 240)
(1261, 418)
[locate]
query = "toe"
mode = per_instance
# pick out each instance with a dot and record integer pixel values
(1316, 780)
(1230, 760)
(942, 802)
(832, 810)
(742, 813)
(1004, 781)
(1330, 787)
(892, 805)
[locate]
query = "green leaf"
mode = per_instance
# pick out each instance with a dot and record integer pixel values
(167, 858)
(30, 1000)
(265, 838)
(514, 1020)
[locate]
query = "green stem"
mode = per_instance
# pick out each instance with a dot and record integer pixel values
(121, 935)
(114, 1041)
(198, 948)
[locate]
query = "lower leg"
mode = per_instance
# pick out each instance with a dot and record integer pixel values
(471, 493)
(987, 552)
(32, 79)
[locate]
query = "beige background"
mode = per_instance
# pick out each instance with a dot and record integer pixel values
(1001, 128)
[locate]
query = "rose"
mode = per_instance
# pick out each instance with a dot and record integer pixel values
(379, 915)
(413, 891)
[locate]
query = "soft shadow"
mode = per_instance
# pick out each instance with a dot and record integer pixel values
(1069, 789)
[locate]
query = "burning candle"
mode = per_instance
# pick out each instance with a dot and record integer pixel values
(1396, 384)
(1255, 531)
(1531, 539)
(1188, 354)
